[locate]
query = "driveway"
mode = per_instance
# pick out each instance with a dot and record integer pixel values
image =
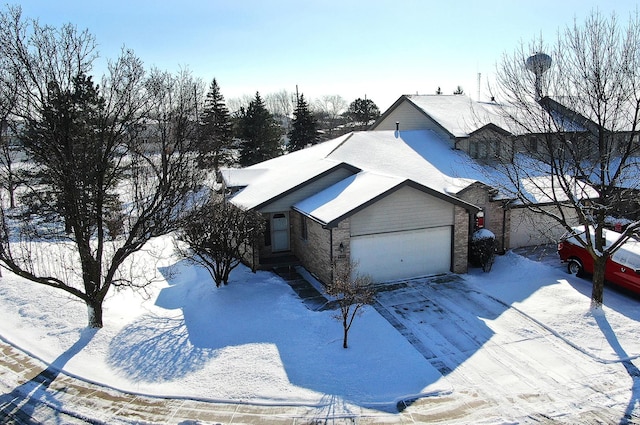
(500, 364)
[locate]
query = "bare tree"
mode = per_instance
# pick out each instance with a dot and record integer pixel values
(90, 146)
(236, 104)
(579, 119)
(280, 103)
(218, 236)
(352, 292)
(330, 108)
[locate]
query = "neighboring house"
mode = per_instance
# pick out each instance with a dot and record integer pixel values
(375, 198)
(480, 130)
(477, 128)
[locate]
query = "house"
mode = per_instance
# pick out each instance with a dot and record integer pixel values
(383, 199)
(401, 200)
(477, 128)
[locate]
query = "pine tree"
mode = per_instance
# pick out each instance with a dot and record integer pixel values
(259, 133)
(304, 129)
(215, 132)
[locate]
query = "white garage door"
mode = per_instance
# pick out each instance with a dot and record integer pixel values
(400, 255)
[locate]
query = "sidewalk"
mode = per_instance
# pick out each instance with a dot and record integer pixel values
(37, 398)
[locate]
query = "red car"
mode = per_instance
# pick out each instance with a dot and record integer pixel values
(622, 268)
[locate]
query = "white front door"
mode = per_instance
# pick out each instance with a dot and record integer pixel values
(280, 232)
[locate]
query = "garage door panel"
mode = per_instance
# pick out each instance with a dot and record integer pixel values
(399, 255)
(530, 229)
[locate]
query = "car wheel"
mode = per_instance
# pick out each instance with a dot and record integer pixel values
(575, 267)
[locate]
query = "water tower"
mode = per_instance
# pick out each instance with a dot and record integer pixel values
(539, 63)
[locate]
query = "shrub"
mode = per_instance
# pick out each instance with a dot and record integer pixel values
(482, 249)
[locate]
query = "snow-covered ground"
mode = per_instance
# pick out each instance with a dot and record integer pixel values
(517, 342)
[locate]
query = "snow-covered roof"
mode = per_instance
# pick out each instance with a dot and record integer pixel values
(382, 157)
(346, 195)
(266, 180)
(461, 116)
(458, 114)
(548, 188)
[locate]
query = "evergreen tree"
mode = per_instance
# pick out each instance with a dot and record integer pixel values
(304, 129)
(258, 132)
(68, 151)
(362, 112)
(215, 132)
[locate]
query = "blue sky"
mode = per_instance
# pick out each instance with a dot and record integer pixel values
(381, 49)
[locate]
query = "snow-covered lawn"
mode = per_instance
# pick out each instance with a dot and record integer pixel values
(254, 341)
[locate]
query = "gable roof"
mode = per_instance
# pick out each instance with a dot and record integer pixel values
(272, 179)
(355, 193)
(385, 158)
(457, 115)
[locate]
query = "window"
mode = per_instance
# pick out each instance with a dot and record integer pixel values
(485, 149)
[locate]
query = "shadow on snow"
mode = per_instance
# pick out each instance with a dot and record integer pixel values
(308, 345)
(443, 327)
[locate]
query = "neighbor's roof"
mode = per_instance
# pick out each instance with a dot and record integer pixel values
(383, 156)
(549, 189)
(459, 115)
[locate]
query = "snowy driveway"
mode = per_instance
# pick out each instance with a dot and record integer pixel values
(500, 363)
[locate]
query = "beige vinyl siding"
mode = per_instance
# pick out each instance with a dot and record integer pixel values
(410, 118)
(530, 229)
(285, 203)
(405, 209)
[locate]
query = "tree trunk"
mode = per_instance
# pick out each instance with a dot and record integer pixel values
(598, 282)
(94, 310)
(346, 332)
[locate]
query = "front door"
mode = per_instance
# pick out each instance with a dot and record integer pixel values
(280, 232)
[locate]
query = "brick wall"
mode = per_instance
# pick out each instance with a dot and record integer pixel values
(460, 240)
(314, 252)
(480, 196)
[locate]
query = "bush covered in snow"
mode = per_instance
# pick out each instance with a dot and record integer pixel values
(482, 249)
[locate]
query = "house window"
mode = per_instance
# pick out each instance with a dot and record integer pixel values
(533, 144)
(304, 231)
(485, 149)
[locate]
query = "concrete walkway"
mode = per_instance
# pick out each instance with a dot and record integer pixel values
(309, 294)
(32, 393)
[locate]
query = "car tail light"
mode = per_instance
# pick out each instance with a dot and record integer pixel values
(560, 245)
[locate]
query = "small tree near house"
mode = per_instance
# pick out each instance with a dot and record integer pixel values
(352, 291)
(218, 235)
